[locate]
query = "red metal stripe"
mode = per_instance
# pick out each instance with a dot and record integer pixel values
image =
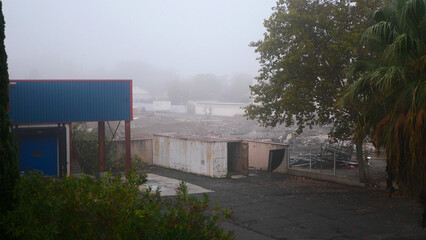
(131, 100)
(70, 149)
(69, 80)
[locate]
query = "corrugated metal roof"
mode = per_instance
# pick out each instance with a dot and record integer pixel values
(50, 101)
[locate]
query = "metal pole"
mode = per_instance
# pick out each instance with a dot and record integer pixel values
(101, 144)
(70, 148)
(288, 157)
(310, 159)
(334, 156)
(127, 145)
(322, 158)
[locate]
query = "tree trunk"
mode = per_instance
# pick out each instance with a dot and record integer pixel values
(361, 162)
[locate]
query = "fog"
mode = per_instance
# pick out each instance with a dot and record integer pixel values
(153, 42)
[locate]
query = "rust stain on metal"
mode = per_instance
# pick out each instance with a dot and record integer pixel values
(156, 146)
(184, 149)
(209, 158)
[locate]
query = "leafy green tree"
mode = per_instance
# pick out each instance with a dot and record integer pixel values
(392, 86)
(9, 169)
(303, 57)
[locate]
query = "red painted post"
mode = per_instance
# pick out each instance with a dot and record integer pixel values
(127, 145)
(101, 143)
(70, 148)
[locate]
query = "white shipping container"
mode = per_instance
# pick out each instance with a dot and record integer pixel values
(203, 156)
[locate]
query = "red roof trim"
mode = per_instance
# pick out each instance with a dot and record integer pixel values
(69, 80)
(131, 101)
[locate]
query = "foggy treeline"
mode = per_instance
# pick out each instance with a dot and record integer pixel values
(210, 87)
(157, 81)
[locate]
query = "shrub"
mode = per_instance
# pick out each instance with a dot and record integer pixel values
(87, 144)
(117, 164)
(108, 208)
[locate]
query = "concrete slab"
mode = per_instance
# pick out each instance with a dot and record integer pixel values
(168, 186)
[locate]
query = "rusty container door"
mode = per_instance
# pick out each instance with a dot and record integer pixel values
(244, 155)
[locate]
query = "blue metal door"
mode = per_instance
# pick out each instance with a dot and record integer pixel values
(39, 152)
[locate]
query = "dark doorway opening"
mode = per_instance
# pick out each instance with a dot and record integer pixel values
(276, 157)
(237, 158)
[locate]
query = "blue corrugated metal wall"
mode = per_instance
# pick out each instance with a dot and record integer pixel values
(54, 101)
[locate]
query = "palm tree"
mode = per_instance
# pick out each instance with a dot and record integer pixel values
(391, 89)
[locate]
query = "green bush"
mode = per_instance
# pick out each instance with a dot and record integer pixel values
(108, 208)
(87, 144)
(117, 164)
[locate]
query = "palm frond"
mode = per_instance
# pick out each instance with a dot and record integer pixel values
(361, 67)
(354, 91)
(411, 16)
(382, 33)
(404, 48)
(390, 10)
(419, 64)
(420, 95)
(383, 78)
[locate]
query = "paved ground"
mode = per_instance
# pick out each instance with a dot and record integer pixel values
(283, 207)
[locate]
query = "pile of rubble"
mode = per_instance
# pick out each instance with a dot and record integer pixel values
(330, 156)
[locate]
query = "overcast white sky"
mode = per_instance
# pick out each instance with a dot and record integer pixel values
(103, 38)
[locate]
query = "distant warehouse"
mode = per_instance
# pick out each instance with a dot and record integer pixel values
(213, 108)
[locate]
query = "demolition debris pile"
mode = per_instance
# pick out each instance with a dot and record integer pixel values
(331, 156)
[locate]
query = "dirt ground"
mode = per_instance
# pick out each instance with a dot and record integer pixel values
(238, 127)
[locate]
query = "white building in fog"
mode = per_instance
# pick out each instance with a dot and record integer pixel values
(140, 95)
(225, 109)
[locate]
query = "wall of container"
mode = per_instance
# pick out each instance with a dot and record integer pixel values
(140, 147)
(259, 155)
(205, 156)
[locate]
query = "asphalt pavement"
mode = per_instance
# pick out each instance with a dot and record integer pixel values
(288, 207)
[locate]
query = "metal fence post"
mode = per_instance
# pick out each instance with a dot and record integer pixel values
(310, 159)
(334, 156)
(288, 157)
